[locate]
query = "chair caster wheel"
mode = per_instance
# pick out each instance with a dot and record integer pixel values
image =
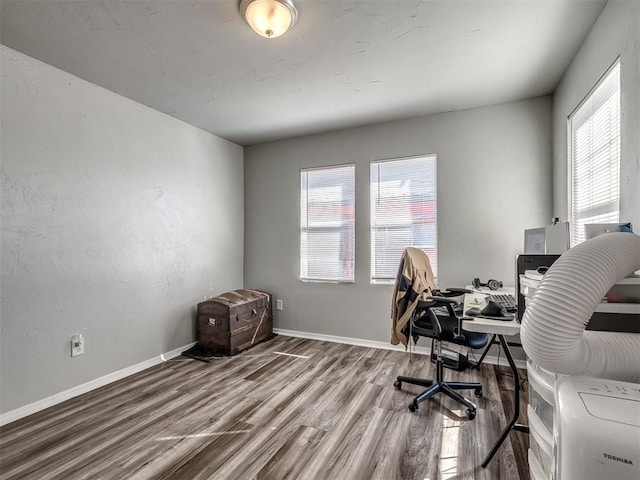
(471, 414)
(397, 384)
(478, 392)
(413, 407)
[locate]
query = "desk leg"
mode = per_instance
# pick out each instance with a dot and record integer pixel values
(516, 406)
(486, 350)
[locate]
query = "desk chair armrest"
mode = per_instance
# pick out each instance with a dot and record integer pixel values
(436, 301)
(426, 324)
(443, 300)
(454, 292)
(448, 302)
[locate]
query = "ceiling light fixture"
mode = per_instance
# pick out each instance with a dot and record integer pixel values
(269, 18)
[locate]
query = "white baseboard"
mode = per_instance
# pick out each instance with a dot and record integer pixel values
(34, 407)
(502, 361)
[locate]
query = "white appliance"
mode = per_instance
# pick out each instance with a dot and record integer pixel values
(597, 429)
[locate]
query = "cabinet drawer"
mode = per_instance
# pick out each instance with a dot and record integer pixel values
(535, 470)
(540, 443)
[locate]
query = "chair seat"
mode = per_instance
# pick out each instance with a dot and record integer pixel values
(474, 340)
(469, 339)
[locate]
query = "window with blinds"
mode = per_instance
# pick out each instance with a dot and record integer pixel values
(403, 213)
(594, 159)
(327, 224)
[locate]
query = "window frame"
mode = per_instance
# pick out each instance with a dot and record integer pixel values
(340, 228)
(576, 236)
(374, 278)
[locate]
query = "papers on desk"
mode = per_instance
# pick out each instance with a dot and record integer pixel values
(474, 300)
(479, 300)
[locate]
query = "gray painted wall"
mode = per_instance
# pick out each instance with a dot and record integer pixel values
(615, 33)
(116, 221)
(494, 180)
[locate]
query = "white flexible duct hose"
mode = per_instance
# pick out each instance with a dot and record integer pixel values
(553, 327)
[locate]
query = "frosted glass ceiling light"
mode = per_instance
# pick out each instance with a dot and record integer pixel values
(269, 18)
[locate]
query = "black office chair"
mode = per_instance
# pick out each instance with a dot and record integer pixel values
(437, 319)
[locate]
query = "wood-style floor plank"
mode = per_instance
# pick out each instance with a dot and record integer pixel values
(288, 408)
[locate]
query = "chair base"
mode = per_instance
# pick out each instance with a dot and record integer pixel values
(439, 386)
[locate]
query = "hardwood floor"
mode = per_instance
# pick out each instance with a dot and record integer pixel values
(289, 408)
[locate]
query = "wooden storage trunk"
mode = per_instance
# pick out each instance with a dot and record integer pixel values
(234, 321)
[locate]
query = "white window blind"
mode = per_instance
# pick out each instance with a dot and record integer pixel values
(594, 160)
(403, 213)
(327, 222)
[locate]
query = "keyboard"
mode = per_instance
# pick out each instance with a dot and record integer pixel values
(506, 301)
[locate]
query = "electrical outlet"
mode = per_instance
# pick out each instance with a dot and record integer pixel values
(77, 345)
(279, 304)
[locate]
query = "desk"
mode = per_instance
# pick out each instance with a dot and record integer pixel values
(500, 329)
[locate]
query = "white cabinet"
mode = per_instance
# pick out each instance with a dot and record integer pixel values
(541, 413)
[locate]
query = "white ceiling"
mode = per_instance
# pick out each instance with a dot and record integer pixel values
(343, 64)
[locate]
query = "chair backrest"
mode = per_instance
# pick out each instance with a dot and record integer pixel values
(414, 282)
